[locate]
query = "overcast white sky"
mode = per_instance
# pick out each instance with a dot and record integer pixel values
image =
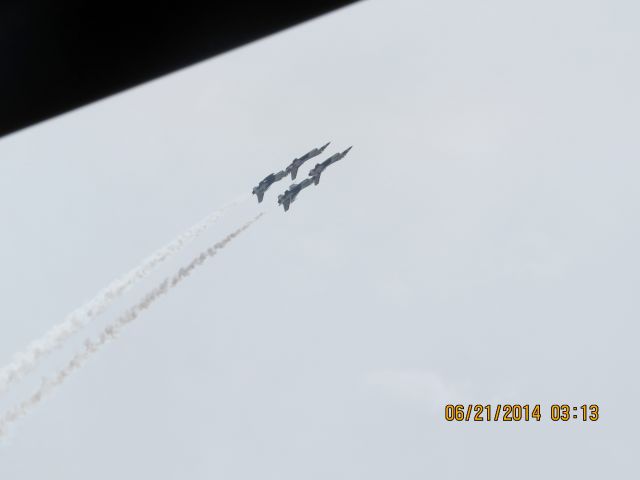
(478, 244)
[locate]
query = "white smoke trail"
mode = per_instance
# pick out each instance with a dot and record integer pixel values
(113, 329)
(25, 361)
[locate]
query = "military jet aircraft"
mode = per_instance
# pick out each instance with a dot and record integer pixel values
(289, 196)
(264, 185)
(316, 171)
(297, 163)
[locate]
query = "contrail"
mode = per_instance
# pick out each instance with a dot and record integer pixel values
(25, 361)
(113, 329)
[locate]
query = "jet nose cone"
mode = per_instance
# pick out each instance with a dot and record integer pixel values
(324, 146)
(347, 150)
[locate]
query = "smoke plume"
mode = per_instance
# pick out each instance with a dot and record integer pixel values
(113, 330)
(25, 361)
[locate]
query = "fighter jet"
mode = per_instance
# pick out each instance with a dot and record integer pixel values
(297, 163)
(264, 185)
(316, 171)
(289, 196)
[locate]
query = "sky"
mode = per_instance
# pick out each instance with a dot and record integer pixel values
(477, 245)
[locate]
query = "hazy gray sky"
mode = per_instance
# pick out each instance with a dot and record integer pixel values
(478, 244)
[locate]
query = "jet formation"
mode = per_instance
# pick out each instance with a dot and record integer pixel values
(260, 189)
(289, 195)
